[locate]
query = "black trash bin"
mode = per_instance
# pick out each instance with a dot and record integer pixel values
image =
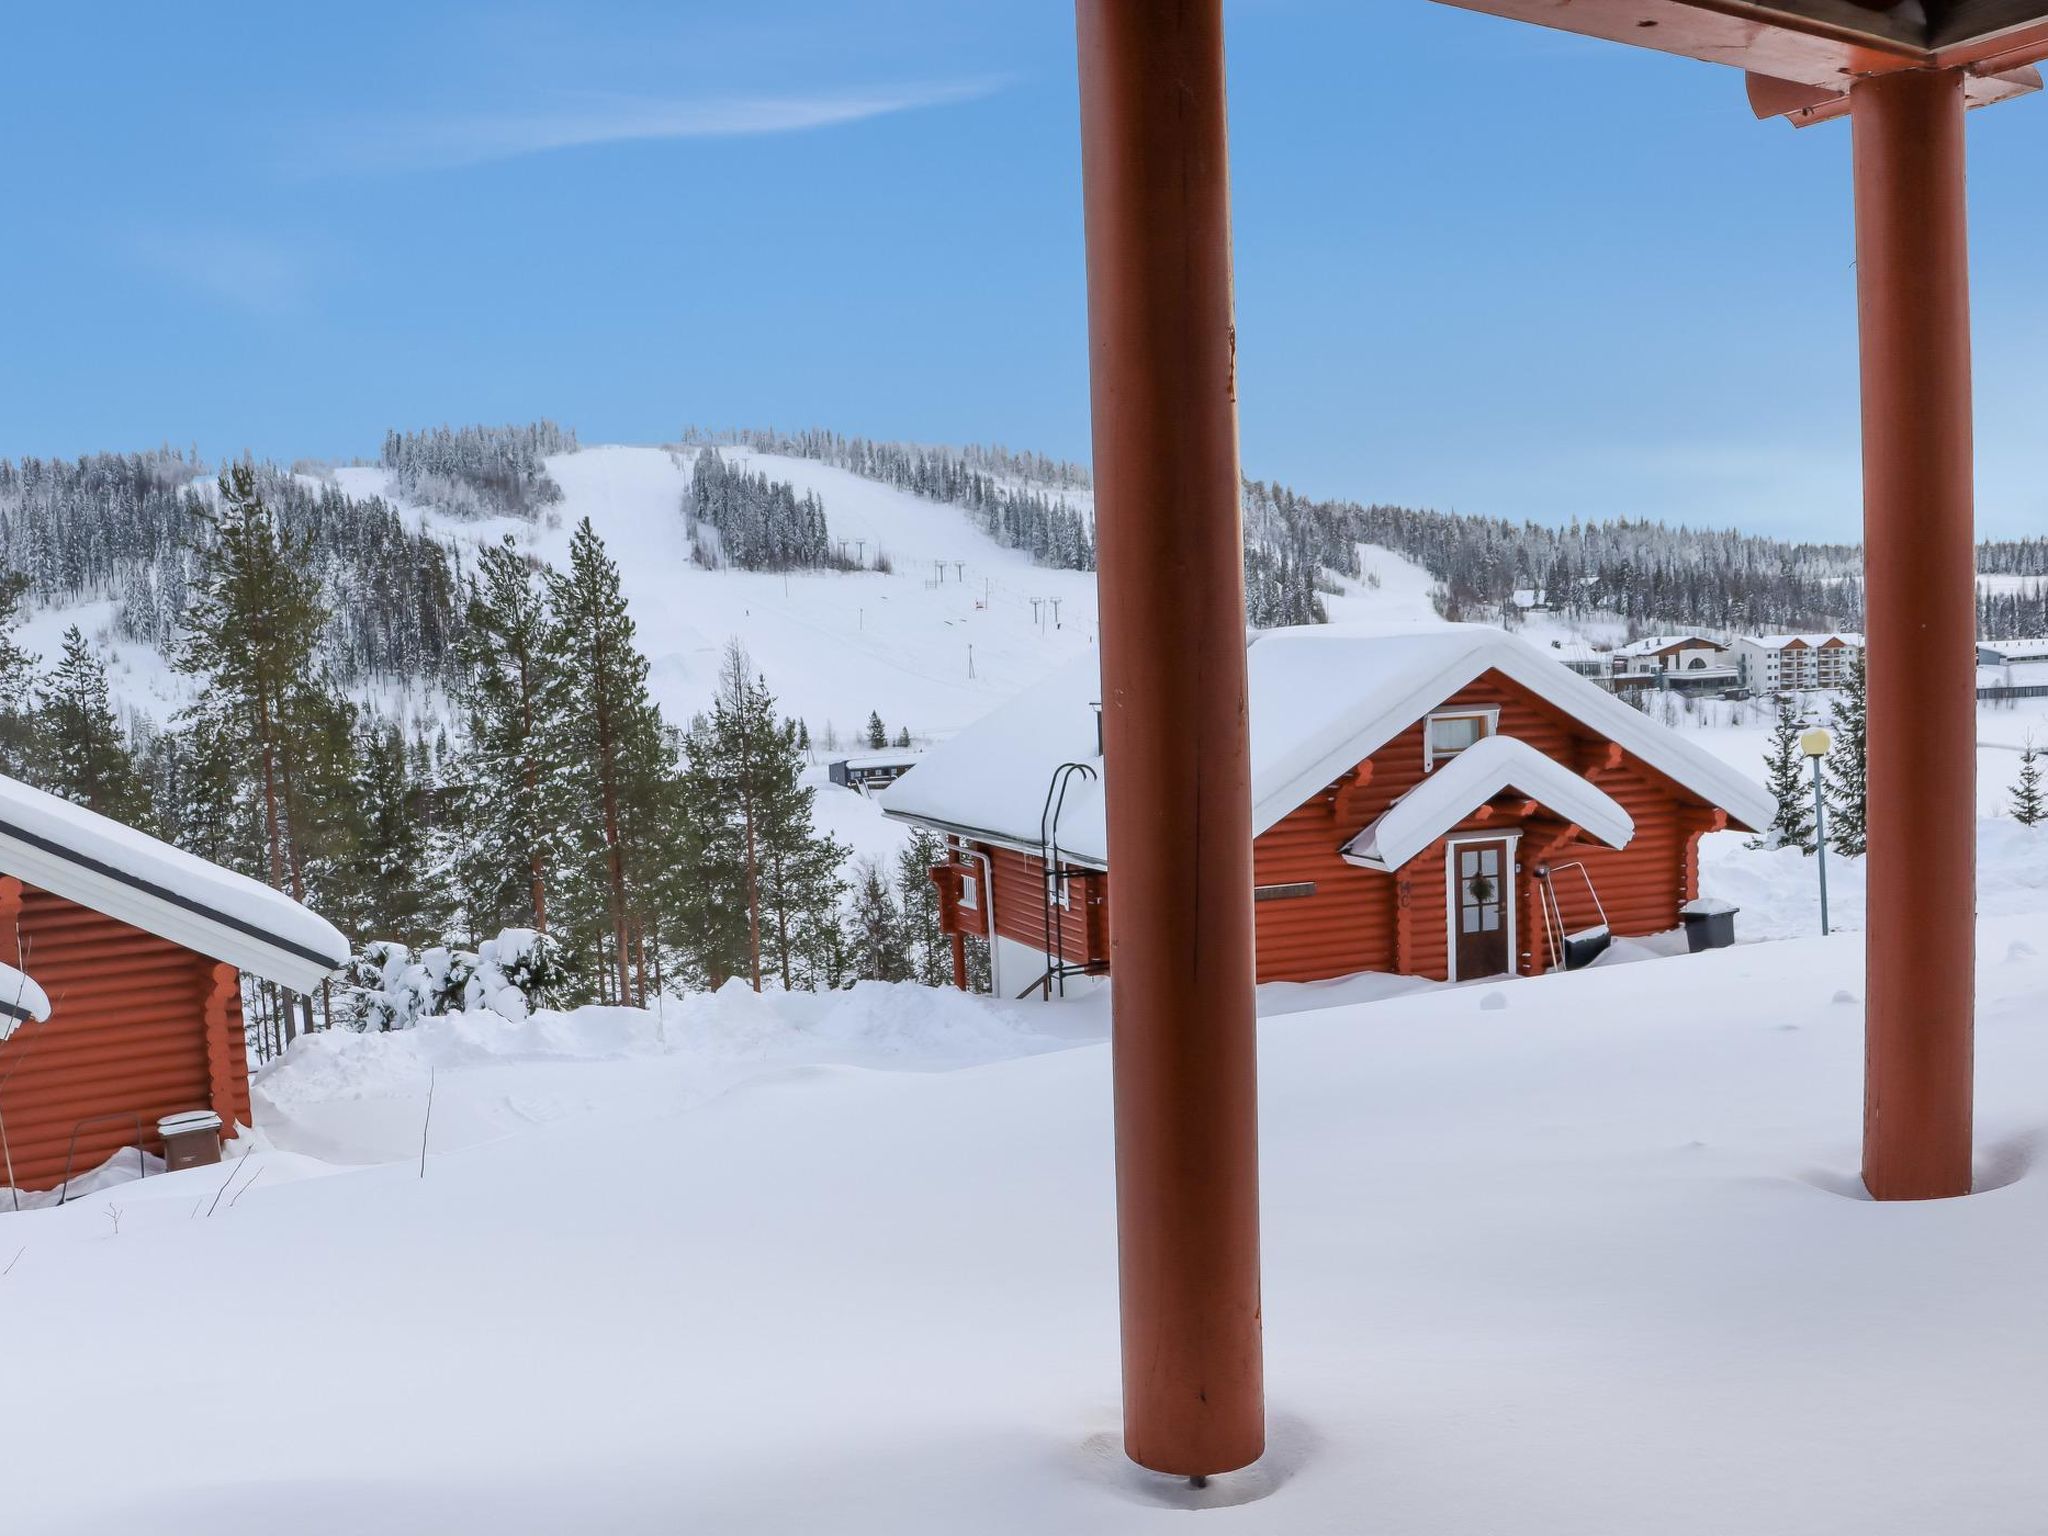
(1709, 923)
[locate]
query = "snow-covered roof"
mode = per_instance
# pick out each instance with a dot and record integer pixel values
(1323, 699)
(2016, 650)
(20, 1000)
(1483, 770)
(1812, 642)
(1652, 644)
(902, 758)
(99, 863)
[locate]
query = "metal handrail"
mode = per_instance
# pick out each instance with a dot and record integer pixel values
(1053, 866)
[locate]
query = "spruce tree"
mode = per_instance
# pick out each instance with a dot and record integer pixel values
(757, 840)
(85, 756)
(929, 950)
(396, 891)
(1846, 787)
(878, 734)
(18, 740)
(877, 950)
(514, 772)
(1786, 776)
(903, 737)
(2028, 808)
(615, 752)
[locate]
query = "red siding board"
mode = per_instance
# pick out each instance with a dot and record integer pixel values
(1363, 920)
(138, 1025)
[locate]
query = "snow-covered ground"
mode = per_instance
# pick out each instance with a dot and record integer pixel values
(1584, 1254)
(1580, 1254)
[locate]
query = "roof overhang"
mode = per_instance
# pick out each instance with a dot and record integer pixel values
(1802, 56)
(157, 908)
(1474, 778)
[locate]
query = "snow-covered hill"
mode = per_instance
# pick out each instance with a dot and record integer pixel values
(960, 624)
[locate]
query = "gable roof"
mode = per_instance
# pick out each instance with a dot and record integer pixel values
(99, 863)
(1323, 699)
(1483, 770)
(1652, 645)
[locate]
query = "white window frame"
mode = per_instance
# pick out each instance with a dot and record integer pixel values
(1490, 713)
(1513, 902)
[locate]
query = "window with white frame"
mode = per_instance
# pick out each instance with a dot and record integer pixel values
(1450, 731)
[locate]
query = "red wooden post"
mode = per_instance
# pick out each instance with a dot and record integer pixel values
(1920, 579)
(1162, 351)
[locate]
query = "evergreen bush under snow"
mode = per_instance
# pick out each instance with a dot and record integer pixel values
(391, 986)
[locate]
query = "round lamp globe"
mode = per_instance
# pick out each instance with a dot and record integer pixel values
(1816, 742)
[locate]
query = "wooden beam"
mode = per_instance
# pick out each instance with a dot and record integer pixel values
(1819, 44)
(1804, 106)
(1764, 38)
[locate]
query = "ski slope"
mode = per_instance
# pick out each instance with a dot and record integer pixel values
(833, 645)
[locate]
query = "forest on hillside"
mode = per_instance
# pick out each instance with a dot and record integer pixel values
(1653, 575)
(563, 831)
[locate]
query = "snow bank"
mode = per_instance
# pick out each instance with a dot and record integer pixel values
(1508, 1230)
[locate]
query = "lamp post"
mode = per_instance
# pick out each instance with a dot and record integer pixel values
(1815, 744)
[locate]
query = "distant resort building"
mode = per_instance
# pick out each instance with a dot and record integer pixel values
(2012, 669)
(872, 771)
(1689, 663)
(1772, 664)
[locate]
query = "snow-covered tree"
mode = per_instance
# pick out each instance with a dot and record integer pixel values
(2028, 807)
(619, 766)
(515, 773)
(1847, 786)
(253, 630)
(878, 733)
(1786, 775)
(768, 879)
(876, 944)
(83, 752)
(928, 950)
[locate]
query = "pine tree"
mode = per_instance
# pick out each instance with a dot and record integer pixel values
(1785, 774)
(1847, 784)
(929, 950)
(874, 929)
(254, 623)
(2028, 806)
(615, 749)
(85, 757)
(878, 734)
(514, 774)
(396, 892)
(903, 737)
(756, 837)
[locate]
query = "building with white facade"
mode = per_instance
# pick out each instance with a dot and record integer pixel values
(1796, 663)
(1681, 662)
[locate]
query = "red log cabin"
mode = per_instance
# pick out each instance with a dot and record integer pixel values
(1445, 802)
(139, 949)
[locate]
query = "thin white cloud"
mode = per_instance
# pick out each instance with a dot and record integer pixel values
(246, 272)
(451, 141)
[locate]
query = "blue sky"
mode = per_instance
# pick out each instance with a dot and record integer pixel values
(1479, 266)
